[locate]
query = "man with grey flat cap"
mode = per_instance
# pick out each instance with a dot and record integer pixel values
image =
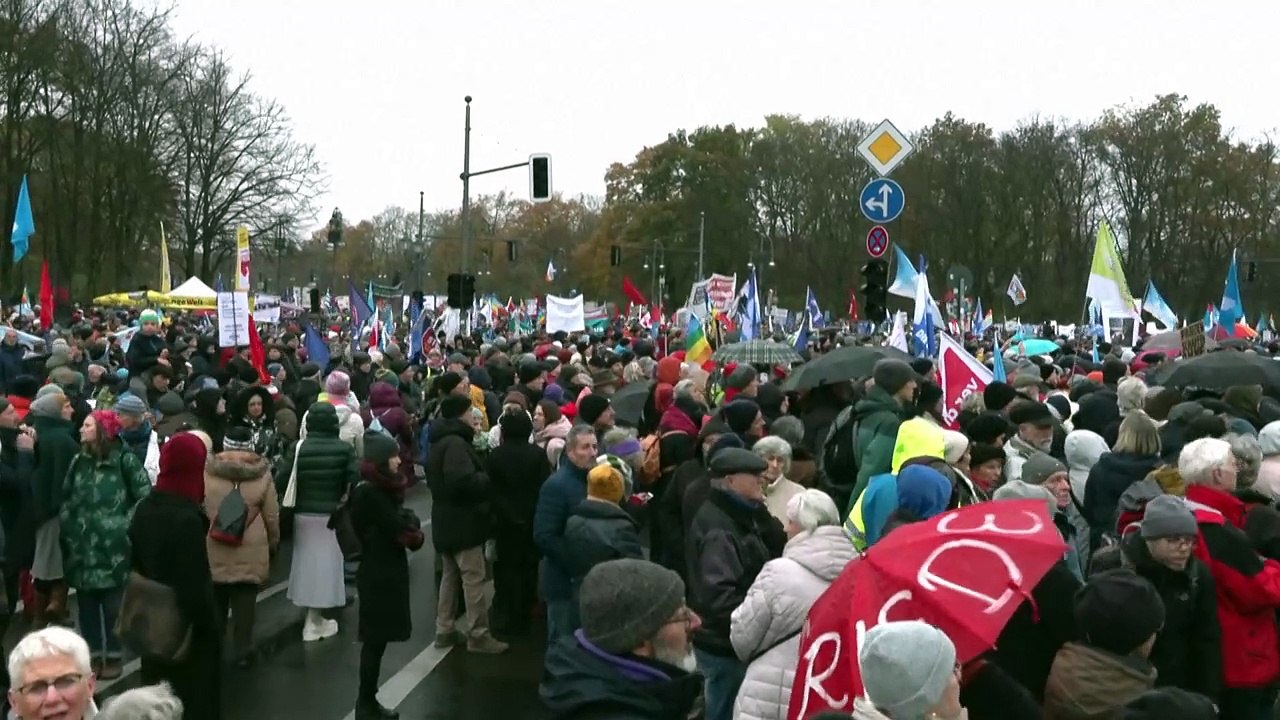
(730, 539)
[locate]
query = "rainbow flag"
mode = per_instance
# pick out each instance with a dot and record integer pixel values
(696, 348)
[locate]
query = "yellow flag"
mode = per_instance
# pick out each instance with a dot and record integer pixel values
(166, 278)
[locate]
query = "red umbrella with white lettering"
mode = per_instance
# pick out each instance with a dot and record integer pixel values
(964, 571)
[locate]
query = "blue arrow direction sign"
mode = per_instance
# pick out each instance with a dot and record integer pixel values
(882, 200)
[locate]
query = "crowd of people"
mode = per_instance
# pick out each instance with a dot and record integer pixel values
(675, 546)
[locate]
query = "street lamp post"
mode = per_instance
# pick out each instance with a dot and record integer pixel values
(656, 264)
(335, 239)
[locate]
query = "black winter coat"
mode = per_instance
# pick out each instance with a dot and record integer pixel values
(517, 470)
(728, 544)
(1188, 650)
(461, 515)
(11, 365)
(1108, 479)
(582, 683)
(1038, 629)
(383, 577)
(167, 539)
(144, 353)
(56, 447)
(327, 465)
(17, 511)
(597, 532)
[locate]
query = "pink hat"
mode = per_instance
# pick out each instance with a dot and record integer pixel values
(338, 383)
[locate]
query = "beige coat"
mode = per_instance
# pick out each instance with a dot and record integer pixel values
(249, 562)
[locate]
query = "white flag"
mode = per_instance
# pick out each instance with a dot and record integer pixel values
(1016, 292)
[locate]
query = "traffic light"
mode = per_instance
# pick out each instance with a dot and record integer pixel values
(615, 256)
(875, 290)
(454, 284)
(511, 251)
(468, 291)
(540, 177)
(1251, 271)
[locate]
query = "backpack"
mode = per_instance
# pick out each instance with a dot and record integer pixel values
(231, 521)
(375, 425)
(840, 458)
(651, 469)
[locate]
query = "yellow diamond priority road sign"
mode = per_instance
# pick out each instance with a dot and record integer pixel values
(884, 148)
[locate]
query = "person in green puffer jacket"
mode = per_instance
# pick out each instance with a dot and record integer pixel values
(327, 469)
(879, 414)
(103, 485)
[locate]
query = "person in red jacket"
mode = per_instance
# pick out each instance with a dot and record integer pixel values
(1248, 585)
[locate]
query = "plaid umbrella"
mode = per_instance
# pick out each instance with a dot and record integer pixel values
(762, 352)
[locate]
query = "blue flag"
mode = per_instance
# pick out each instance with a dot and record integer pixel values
(23, 223)
(317, 348)
(751, 316)
(924, 336)
(802, 335)
(811, 304)
(218, 285)
(1154, 304)
(416, 328)
(997, 361)
(361, 313)
(1231, 310)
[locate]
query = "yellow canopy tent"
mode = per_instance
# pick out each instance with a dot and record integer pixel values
(151, 298)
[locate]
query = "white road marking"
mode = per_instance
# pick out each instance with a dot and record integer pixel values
(394, 691)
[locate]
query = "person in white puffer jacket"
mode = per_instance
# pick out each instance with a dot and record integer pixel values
(765, 629)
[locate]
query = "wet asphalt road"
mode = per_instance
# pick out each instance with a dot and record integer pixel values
(319, 680)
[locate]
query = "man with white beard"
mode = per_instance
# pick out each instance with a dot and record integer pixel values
(633, 657)
(1035, 424)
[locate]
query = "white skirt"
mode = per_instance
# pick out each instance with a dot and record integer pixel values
(47, 563)
(316, 578)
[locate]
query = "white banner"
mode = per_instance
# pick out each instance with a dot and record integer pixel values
(565, 314)
(233, 319)
(266, 308)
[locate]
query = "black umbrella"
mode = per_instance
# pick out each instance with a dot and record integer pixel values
(1221, 370)
(845, 363)
(628, 403)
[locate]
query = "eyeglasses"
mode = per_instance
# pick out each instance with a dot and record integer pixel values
(683, 615)
(40, 688)
(1181, 542)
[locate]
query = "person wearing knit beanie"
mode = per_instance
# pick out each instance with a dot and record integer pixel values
(48, 405)
(379, 448)
(449, 382)
(908, 671)
(238, 439)
(1120, 612)
(628, 605)
(337, 386)
(997, 395)
(595, 410)
(107, 424)
(453, 407)
(1169, 703)
(896, 378)
(605, 483)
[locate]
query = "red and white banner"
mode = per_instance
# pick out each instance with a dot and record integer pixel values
(960, 375)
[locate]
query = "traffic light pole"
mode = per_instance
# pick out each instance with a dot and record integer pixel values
(466, 185)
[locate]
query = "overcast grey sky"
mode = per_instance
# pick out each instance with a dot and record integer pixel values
(377, 86)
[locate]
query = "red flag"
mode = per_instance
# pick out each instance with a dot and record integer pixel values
(257, 354)
(634, 296)
(46, 298)
(960, 375)
(965, 572)
(853, 306)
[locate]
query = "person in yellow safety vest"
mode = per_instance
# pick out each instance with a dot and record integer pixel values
(916, 438)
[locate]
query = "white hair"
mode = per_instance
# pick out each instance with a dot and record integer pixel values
(49, 642)
(811, 509)
(774, 446)
(685, 388)
(153, 702)
(1199, 458)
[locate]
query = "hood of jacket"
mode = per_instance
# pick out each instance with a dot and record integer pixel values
(1088, 682)
(677, 419)
(597, 510)
(579, 678)
(237, 466)
(1127, 465)
(824, 552)
(323, 419)
(918, 438)
(446, 427)
(558, 429)
(383, 395)
(1082, 449)
(878, 401)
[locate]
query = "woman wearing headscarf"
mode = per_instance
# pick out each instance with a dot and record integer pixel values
(386, 406)
(388, 532)
(210, 410)
(239, 571)
(255, 409)
(103, 485)
(168, 546)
